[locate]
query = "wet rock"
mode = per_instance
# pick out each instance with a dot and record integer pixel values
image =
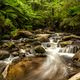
(70, 37)
(23, 33)
(28, 45)
(39, 49)
(21, 70)
(43, 37)
(65, 43)
(4, 45)
(75, 77)
(76, 42)
(8, 45)
(15, 54)
(16, 60)
(48, 45)
(20, 44)
(2, 66)
(75, 48)
(4, 54)
(36, 43)
(76, 59)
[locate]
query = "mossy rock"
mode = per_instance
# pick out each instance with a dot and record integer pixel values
(22, 34)
(8, 45)
(39, 49)
(65, 43)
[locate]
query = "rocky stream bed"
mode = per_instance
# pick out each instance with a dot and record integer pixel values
(40, 55)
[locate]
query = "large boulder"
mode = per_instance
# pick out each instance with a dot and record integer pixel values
(27, 69)
(23, 33)
(4, 54)
(76, 59)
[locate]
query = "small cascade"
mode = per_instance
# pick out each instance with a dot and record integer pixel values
(54, 67)
(70, 49)
(52, 64)
(9, 60)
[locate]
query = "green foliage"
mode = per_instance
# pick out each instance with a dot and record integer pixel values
(32, 14)
(14, 32)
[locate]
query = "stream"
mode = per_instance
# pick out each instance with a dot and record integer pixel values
(57, 64)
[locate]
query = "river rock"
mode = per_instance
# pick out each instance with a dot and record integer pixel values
(23, 33)
(36, 43)
(43, 37)
(21, 70)
(8, 45)
(76, 58)
(39, 49)
(75, 77)
(38, 31)
(65, 43)
(4, 54)
(15, 53)
(2, 66)
(70, 37)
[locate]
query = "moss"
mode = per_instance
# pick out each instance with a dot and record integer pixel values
(65, 43)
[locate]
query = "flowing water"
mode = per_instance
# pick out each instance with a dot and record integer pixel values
(8, 62)
(54, 67)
